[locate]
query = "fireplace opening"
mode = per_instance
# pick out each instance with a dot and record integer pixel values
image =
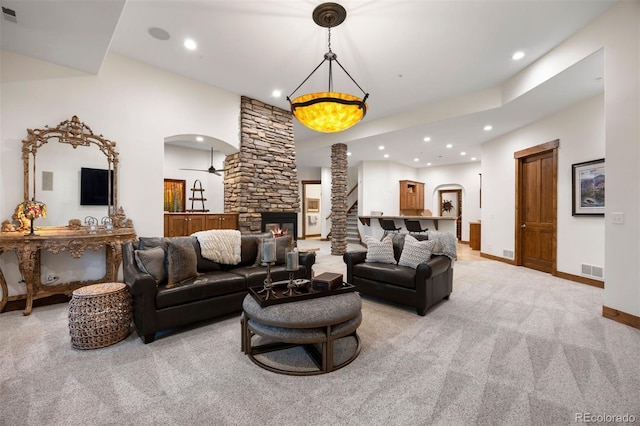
(280, 223)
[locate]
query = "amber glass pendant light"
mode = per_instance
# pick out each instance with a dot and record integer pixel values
(329, 111)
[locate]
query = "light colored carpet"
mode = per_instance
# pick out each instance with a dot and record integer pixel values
(511, 347)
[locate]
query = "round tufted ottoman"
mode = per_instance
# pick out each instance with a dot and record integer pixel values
(99, 315)
(307, 323)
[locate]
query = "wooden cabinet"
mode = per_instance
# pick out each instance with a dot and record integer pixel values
(411, 196)
(474, 235)
(222, 221)
(182, 224)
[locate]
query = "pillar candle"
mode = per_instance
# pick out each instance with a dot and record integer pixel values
(269, 251)
(292, 260)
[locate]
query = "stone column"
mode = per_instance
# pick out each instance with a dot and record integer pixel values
(339, 174)
(262, 176)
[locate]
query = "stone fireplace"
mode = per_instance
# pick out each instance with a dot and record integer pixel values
(281, 223)
(262, 177)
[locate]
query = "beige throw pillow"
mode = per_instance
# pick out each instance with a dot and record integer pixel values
(379, 251)
(415, 252)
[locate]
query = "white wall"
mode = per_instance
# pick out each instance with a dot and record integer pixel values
(580, 130)
(131, 103)
(618, 31)
(177, 158)
(464, 176)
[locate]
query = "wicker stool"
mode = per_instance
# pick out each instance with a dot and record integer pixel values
(99, 315)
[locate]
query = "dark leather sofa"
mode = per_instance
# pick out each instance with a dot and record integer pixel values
(420, 288)
(217, 290)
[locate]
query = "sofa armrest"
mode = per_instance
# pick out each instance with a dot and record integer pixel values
(353, 258)
(432, 267)
(307, 259)
(139, 283)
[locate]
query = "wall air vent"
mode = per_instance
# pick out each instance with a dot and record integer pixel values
(593, 271)
(9, 15)
(507, 253)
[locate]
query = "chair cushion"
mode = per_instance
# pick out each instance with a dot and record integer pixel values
(379, 251)
(205, 286)
(384, 272)
(415, 252)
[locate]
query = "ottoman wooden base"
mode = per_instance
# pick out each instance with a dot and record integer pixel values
(99, 315)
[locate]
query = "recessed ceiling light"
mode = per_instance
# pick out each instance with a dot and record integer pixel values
(381, 147)
(190, 44)
(428, 164)
(473, 158)
(518, 55)
(488, 127)
(449, 145)
(159, 33)
(348, 152)
(386, 156)
(416, 159)
(463, 153)
(276, 93)
(427, 139)
(199, 138)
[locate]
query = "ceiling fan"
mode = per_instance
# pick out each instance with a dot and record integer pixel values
(210, 169)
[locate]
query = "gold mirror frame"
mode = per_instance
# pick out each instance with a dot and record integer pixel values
(75, 133)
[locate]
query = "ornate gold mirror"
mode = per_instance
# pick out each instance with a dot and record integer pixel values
(69, 175)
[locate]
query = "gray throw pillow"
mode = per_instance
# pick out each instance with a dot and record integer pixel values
(415, 252)
(152, 262)
(379, 251)
(182, 262)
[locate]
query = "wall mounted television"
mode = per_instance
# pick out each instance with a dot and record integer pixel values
(94, 187)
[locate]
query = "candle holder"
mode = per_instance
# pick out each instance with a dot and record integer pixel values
(267, 288)
(92, 223)
(291, 265)
(108, 224)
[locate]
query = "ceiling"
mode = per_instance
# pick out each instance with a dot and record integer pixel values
(410, 56)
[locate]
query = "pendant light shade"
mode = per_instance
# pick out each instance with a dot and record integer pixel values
(329, 111)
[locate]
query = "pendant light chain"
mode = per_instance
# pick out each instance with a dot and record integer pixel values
(331, 57)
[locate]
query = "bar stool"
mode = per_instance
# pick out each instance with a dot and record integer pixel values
(388, 225)
(414, 226)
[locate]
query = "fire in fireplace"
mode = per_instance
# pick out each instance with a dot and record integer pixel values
(280, 223)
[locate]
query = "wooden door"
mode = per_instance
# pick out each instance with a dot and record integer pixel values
(536, 211)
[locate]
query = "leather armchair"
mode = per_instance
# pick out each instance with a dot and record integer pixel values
(420, 288)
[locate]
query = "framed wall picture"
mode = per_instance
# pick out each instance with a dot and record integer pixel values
(588, 188)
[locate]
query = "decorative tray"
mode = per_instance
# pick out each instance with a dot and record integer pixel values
(304, 291)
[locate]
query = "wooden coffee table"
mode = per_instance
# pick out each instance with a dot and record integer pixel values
(308, 323)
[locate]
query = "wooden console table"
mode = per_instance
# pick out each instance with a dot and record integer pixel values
(57, 240)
